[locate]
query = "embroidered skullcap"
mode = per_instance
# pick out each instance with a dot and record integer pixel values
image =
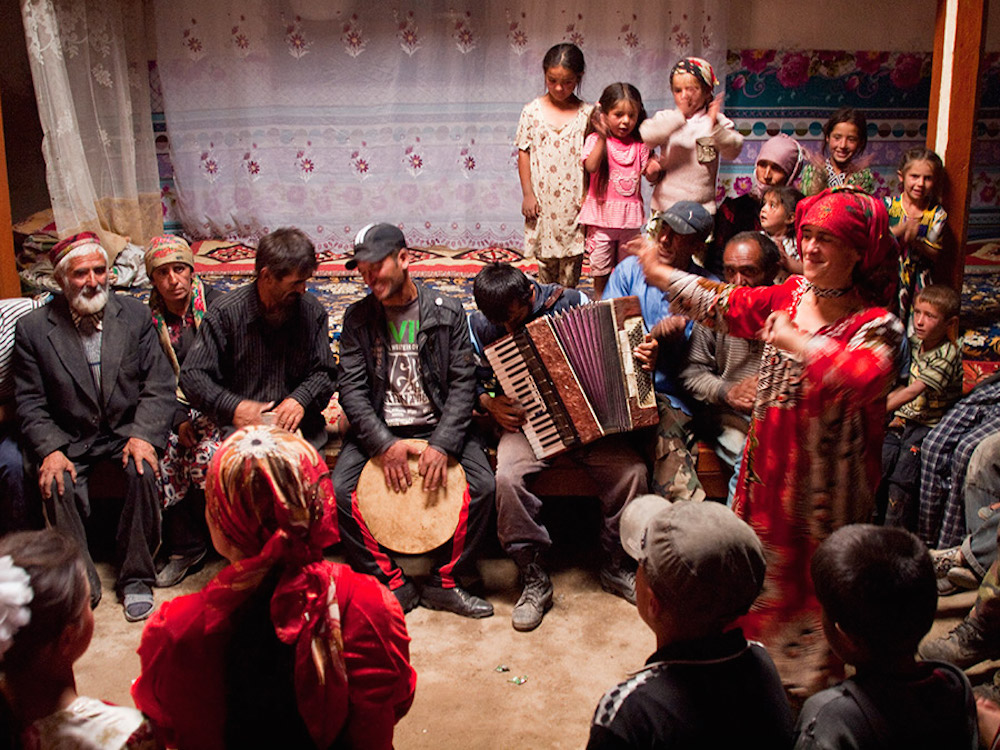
(167, 248)
(82, 241)
(699, 68)
(785, 152)
(861, 222)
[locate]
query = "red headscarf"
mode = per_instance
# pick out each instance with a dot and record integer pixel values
(269, 493)
(860, 221)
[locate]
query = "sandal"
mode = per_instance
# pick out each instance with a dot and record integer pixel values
(138, 607)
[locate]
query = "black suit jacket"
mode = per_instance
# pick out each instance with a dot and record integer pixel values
(58, 404)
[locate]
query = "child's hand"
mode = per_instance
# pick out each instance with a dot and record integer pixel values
(654, 170)
(599, 121)
(715, 108)
(529, 207)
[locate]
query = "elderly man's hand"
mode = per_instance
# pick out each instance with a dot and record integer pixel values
(139, 450)
(54, 467)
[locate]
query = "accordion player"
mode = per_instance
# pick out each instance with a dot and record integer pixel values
(576, 376)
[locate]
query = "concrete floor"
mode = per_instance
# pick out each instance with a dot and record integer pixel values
(588, 642)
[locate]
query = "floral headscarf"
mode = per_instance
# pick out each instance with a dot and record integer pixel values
(269, 493)
(160, 251)
(860, 221)
(699, 68)
(167, 248)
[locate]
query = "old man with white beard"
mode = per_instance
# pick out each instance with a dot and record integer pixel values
(93, 386)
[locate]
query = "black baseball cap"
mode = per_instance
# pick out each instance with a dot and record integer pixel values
(374, 242)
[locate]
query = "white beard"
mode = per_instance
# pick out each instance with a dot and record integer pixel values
(88, 300)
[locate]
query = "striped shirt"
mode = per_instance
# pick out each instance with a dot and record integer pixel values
(940, 370)
(11, 310)
(238, 355)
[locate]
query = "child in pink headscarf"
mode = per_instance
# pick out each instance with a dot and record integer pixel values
(691, 138)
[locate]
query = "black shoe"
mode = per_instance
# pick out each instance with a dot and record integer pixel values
(536, 598)
(177, 567)
(407, 595)
(456, 600)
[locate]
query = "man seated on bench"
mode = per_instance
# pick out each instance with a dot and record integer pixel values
(721, 370)
(680, 232)
(507, 299)
(93, 386)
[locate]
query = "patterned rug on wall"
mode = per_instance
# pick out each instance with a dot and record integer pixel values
(237, 259)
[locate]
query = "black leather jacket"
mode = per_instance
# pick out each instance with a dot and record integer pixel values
(446, 369)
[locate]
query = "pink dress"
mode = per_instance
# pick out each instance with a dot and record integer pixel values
(621, 205)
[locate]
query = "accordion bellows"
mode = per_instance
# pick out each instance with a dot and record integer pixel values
(575, 375)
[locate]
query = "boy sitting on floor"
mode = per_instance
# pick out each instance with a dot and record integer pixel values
(935, 384)
(700, 567)
(877, 589)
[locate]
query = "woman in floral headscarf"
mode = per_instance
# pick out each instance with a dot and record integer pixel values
(281, 648)
(813, 455)
(178, 303)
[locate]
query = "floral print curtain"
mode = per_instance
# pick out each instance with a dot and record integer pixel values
(328, 116)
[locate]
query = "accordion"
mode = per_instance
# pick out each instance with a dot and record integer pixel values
(575, 375)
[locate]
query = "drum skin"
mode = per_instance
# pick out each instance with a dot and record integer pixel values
(414, 521)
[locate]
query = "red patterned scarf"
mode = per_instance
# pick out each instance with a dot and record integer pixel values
(269, 493)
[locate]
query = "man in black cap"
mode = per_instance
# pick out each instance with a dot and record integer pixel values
(406, 371)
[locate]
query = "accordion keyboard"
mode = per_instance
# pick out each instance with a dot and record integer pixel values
(517, 382)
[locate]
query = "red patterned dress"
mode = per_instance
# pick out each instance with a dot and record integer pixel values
(813, 455)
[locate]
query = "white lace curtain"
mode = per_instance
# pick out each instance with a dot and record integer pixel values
(329, 115)
(89, 66)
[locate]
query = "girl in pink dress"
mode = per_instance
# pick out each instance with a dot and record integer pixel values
(615, 159)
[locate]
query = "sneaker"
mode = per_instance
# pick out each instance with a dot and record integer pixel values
(177, 567)
(456, 600)
(946, 587)
(407, 595)
(535, 601)
(619, 581)
(965, 646)
(964, 578)
(946, 559)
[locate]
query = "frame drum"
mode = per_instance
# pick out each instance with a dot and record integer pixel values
(413, 521)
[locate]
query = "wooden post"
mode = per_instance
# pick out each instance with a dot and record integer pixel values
(10, 282)
(951, 121)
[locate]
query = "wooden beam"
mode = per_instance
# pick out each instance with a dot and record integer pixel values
(951, 121)
(10, 282)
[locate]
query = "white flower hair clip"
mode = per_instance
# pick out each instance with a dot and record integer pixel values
(15, 595)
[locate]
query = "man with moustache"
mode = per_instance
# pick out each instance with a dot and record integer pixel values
(406, 371)
(93, 386)
(265, 347)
